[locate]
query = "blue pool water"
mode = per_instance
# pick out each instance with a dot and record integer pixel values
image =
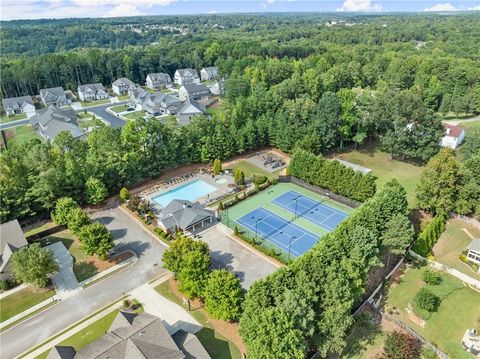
(189, 191)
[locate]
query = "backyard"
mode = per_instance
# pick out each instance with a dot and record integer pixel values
(18, 135)
(217, 345)
(452, 242)
(457, 312)
(94, 103)
(119, 108)
(23, 299)
(134, 115)
(5, 118)
(385, 169)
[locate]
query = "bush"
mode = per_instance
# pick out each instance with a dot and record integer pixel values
(220, 206)
(235, 231)
(223, 295)
(429, 353)
(429, 236)
(426, 300)
(400, 346)
(431, 277)
(259, 180)
(127, 303)
(238, 177)
(124, 195)
(4, 284)
(63, 207)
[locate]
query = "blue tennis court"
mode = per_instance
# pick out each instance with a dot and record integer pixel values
(314, 211)
(278, 231)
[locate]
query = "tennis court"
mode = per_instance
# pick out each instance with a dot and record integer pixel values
(314, 211)
(278, 231)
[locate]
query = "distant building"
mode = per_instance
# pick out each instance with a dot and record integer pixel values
(11, 240)
(122, 85)
(92, 92)
(138, 95)
(208, 73)
(51, 121)
(186, 76)
(218, 88)
(186, 112)
(184, 215)
(55, 96)
(161, 104)
(137, 336)
(474, 251)
(18, 105)
(454, 136)
(193, 91)
(158, 80)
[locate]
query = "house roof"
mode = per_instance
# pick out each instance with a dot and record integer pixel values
(452, 130)
(123, 81)
(51, 121)
(182, 214)
(61, 352)
(11, 240)
(193, 87)
(187, 72)
(475, 245)
(160, 76)
(139, 93)
(191, 107)
(190, 345)
(211, 70)
(16, 102)
(52, 94)
(92, 87)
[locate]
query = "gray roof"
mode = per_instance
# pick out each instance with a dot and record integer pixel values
(51, 121)
(188, 72)
(139, 93)
(11, 240)
(16, 102)
(211, 70)
(193, 87)
(475, 245)
(190, 345)
(61, 352)
(93, 87)
(52, 94)
(160, 77)
(191, 107)
(123, 81)
(182, 214)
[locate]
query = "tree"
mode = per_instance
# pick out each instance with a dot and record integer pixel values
(95, 190)
(124, 195)
(190, 261)
(223, 295)
(77, 219)
(238, 177)
(399, 345)
(33, 264)
(437, 188)
(96, 239)
(398, 235)
(431, 277)
(63, 208)
(217, 167)
(426, 300)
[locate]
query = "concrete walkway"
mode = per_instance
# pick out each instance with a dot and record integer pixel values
(13, 290)
(27, 312)
(64, 281)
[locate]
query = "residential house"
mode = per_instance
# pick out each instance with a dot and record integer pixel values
(218, 88)
(11, 240)
(161, 104)
(137, 336)
(138, 95)
(158, 81)
(186, 76)
(122, 85)
(92, 92)
(193, 91)
(474, 251)
(55, 96)
(454, 136)
(184, 215)
(208, 73)
(51, 121)
(18, 105)
(189, 109)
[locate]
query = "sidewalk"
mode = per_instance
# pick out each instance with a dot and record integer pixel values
(27, 312)
(14, 290)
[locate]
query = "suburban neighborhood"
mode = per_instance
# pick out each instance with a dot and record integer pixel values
(284, 184)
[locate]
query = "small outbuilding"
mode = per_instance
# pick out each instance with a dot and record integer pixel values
(184, 215)
(454, 136)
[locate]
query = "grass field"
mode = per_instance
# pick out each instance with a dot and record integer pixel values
(22, 134)
(38, 227)
(264, 198)
(452, 242)
(214, 343)
(385, 169)
(94, 103)
(134, 115)
(119, 108)
(364, 340)
(5, 118)
(90, 123)
(249, 169)
(22, 300)
(457, 312)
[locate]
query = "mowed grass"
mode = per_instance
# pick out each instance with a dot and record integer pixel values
(119, 108)
(365, 339)
(123, 97)
(249, 169)
(134, 115)
(385, 169)
(214, 343)
(38, 227)
(452, 242)
(458, 311)
(5, 118)
(22, 300)
(22, 134)
(94, 103)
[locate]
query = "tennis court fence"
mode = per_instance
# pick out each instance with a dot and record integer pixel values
(321, 191)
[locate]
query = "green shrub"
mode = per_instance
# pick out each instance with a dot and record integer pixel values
(429, 353)
(259, 180)
(426, 300)
(124, 195)
(400, 346)
(235, 231)
(431, 277)
(4, 284)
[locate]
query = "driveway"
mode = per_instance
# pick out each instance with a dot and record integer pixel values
(127, 234)
(108, 117)
(64, 281)
(231, 255)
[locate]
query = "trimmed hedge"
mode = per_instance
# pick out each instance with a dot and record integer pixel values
(331, 175)
(429, 236)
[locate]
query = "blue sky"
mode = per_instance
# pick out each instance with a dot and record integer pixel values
(34, 9)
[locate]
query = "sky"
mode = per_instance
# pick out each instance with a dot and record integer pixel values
(38, 9)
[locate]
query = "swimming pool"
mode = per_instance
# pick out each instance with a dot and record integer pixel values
(189, 191)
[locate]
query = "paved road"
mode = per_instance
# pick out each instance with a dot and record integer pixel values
(100, 111)
(127, 233)
(13, 124)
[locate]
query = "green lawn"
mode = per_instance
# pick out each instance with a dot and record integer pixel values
(83, 116)
(22, 134)
(385, 169)
(94, 103)
(452, 242)
(90, 123)
(458, 311)
(134, 115)
(6, 118)
(119, 108)
(38, 227)
(22, 300)
(215, 344)
(471, 126)
(83, 266)
(148, 89)
(365, 339)
(123, 97)
(249, 169)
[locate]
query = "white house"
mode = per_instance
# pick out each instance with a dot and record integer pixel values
(18, 105)
(158, 81)
(54, 96)
(122, 85)
(454, 136)
(92, 92)
(474, 251)
(186, 76)
(208, 73)
(193, 91)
